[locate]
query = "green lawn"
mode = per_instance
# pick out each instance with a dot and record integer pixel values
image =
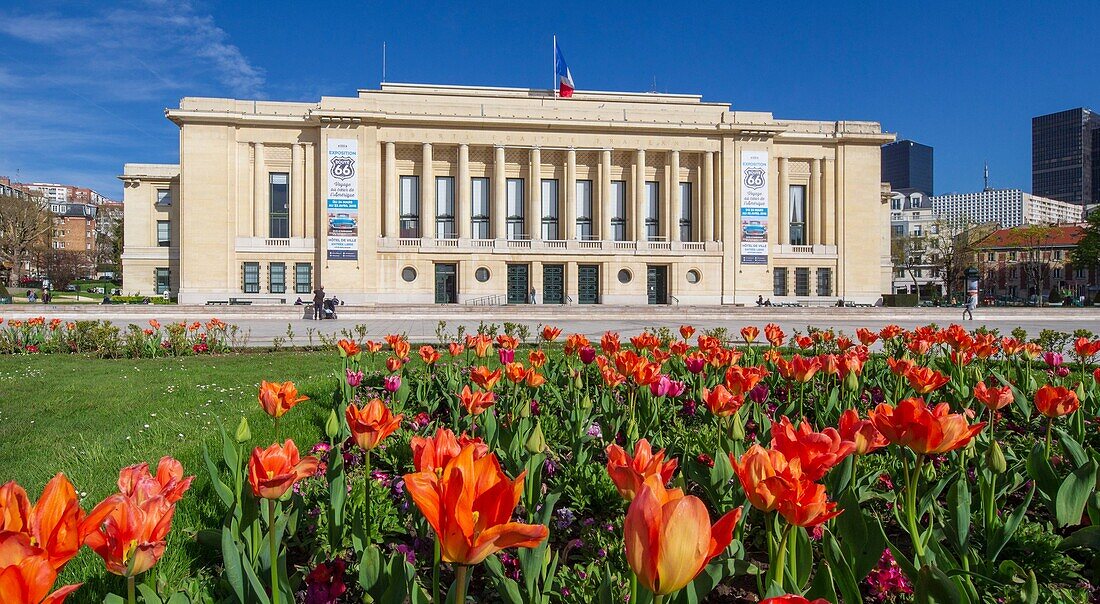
(89, 417)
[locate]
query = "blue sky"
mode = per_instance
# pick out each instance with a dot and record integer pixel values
(83, 86)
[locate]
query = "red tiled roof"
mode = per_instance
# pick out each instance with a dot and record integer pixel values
(1032, 236)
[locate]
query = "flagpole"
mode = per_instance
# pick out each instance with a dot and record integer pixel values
(554, 80)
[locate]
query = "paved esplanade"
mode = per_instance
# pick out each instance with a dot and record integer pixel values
(264, 323)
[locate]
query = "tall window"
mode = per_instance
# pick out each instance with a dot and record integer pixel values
(479, 210)
(825, 281)
(550, 209)
(303, 278)
(251, 280)
(618, 210)
(163, 280)
(652, 210)
(779, 281)
(802, 281)
(276, 278)
(516, 227)
(164, 197)
(279, 214)
(798, 215)
(410, 207)
(584, 209)
(164, 238)
(445, 207)
(685, 211)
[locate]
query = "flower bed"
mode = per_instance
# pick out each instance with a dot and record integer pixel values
(106, 340)
(951, 466)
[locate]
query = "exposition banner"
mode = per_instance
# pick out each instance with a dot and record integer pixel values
(754, 207)
(342, 199)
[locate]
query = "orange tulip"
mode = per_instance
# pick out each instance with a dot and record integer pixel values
(392, 339)
(678, 348)
(476, 403)
(669, 538)
(740, 380)
(860, 432)
(993, 397)
(1056, 401)
(925, 379)
(272, 471)
(611, 377)
(469, 504)
(830, 363)
(132, 539)
(610, 342)
(866, 336)
(803, 342)
(537, 358)
(373, 347)
(455, 348)
(629, 473)
(279, 397)
(482, 345)
(1011, 346)
(26, 575)
(534, 379)
(429, 355)
(394, 364)
(137, 483)
(432, 454)
(574, 342)
(721, 402)
(372, 423)
(774, 334)
(483, 377)
(805, 504)
(55, 525)
(765, 475)
(645, 341)
(900, 367)
(804, 368)
(401, 349)
(890, 332)
(686, 331)
(749, 333)
(515, 372)
(349, 348)
(550, 334)
(817, 452)
(924, 430)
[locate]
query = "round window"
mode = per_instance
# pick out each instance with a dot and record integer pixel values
(408, 274)
(481, 274)
(624, 276)
(693, 276)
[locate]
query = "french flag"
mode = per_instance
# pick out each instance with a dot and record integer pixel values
(561, 70)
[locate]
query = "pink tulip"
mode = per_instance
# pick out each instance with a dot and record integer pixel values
(695, 364)
(661, 386)
(354, 378)
(587, 354)
(676, 388)
(391, 383)
(507, 355)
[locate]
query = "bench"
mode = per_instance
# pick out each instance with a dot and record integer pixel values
(251, 301)
(217, 302)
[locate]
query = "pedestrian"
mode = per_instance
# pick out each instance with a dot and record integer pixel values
(533, 301)
(318, 303)
(971, 304)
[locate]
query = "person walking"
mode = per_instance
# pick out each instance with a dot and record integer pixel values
(318, 303)
(971, 304)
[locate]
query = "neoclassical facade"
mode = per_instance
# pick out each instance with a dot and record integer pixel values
(441, 194)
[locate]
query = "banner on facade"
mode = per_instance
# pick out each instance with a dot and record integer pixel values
(342, 199)
(754, 207)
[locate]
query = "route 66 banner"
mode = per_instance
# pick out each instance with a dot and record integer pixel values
(754, 207)
(342, 199)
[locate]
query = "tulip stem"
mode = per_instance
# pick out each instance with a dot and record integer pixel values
(366, 500)
(131, 594)
(460, 583)
(274, 552)
(781, 557)
(435, 571)
(1050, 426)
(911, 480)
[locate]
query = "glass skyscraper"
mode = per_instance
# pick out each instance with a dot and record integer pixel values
(907, 165)
(1065, 156)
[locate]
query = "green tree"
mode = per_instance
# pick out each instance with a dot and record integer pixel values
(1087, 252)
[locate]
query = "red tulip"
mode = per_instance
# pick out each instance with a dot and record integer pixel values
(476, 403)
(372, 423)
(431, 454)
(860, 432)
(923, 429)
(272, 471)
(993, 397)
(817, 452)
(26, 575)
(1056, 401)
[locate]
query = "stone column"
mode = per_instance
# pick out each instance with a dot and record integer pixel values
(814, 232)
(784, 204)
(706, 217)
(639, 206)
(389, 203)
(534, 195)
(604, 196)
(297, 191)
(259, 193)
(310, 192)
(674, 196)
(427, 193)
(499, 203)
(568, 209)
(462, 192)
(829, 192)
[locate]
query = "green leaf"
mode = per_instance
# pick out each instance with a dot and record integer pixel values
(114, 599)
(860, 536)
(370, 567)
(933, 586)
(604, 594)
(224, 493)
(958, 510)
(231, 558)
(1069, 504)
(148, 594)
(1073, 449)
(1087, 537)
(1003, 535)
(1038, 468)
(843, 577)
(1023, 404)
(822, 586)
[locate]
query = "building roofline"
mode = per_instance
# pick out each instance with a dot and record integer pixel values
(540, 93)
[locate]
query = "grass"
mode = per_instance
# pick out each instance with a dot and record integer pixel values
(90, 417)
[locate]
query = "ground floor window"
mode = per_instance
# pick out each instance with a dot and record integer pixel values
(779, 282)
(825, 281)
(251, 279)
(802, 281)
(303, 278)
(276, 278)
(163, 281)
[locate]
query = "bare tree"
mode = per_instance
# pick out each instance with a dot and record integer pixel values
(907, 252)
(24, 224)
(65, 266)
(951, 246)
